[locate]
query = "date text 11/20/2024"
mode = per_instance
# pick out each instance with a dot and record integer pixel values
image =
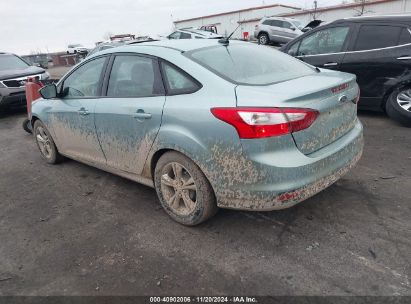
(223, 299)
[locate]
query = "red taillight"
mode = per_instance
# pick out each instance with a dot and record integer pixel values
(266, 122)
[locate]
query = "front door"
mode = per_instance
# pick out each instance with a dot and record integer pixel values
(72, 115)
(129, 117)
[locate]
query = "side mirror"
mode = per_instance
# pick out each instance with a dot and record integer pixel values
(292, 53)
(49, 91)
(292, 28)
(36, 64)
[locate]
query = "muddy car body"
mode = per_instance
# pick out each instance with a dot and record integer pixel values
(228, 138)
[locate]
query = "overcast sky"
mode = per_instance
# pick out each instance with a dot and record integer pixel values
(49, 25)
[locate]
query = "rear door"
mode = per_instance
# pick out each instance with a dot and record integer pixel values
(129, 117)
(380, 56)
(324, 48)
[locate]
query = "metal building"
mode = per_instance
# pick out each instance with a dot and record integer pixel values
(249, 18)
(228, 21)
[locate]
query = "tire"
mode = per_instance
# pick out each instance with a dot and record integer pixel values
(195, 201)
(263, 39)
(45, 143)
(27, 126)
(68, 52)
(398, 106)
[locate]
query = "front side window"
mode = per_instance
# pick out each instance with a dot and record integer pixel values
(177, 81)
(134, 76)
(377, 36)
(330, 40)
(293, 51)
(250, 64)
(84, 81)
(276, 23)
(175, 35)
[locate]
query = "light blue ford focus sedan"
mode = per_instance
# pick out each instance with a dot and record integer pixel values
(208, 124)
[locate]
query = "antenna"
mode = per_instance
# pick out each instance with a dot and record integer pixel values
(226, 41)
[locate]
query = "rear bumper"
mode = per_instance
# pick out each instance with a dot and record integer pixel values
(283, 184)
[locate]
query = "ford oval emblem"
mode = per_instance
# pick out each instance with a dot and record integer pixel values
(343, 99)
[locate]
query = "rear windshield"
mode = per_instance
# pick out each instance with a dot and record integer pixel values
(250, 64)
(11, 62)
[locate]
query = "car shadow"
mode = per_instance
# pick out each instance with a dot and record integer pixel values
(10, 112)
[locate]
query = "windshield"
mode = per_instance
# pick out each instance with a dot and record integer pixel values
(250, 64)
(11, 62)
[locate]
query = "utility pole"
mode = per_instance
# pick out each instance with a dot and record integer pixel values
(314, 14)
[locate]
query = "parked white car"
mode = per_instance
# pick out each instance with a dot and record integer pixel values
(76, 49)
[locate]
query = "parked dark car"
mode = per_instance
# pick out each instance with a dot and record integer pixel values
(14, 72)
(376, 49)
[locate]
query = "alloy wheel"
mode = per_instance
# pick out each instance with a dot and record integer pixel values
(178, 188)
(263, 39)
(404, 100)
(44, 142)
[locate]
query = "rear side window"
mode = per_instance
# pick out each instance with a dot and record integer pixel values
(377, 36)
(177, 81)
(250, 64)
(134, 76)
(267, 22)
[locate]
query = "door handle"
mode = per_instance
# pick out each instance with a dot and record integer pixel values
(404, 58)
(331, 64)
(83, 112)
(140, 114)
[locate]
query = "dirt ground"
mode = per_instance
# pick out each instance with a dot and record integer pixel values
(74, 230)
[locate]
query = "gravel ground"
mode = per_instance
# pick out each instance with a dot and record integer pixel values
(74, 230)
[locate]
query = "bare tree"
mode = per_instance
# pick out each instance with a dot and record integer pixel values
(361, 10)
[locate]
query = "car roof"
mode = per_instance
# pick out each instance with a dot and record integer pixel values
(181, 45)
(383, 18)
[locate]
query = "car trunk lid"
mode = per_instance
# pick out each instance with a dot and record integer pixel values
(332, 94)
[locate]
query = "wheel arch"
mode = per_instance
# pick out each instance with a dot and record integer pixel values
(263, 32)
(156, 155)
(389, 91)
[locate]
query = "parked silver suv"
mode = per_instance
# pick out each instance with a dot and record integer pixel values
(277, 30)
(14, 72)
